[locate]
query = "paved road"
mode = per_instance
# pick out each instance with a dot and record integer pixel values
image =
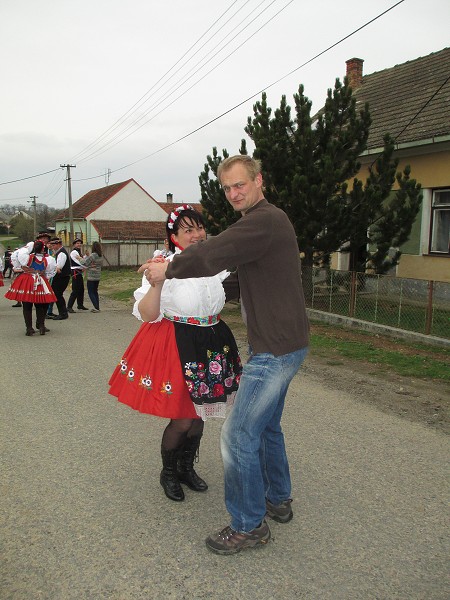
(83, 515)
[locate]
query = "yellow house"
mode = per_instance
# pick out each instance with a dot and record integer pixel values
(411, 101)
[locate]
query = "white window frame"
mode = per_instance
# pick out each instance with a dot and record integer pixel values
(440, 223)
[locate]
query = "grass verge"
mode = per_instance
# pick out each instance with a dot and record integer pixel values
(335, 344)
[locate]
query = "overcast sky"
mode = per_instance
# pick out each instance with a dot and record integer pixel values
(78, 77)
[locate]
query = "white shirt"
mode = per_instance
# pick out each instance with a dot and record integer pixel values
(50, 269)
(75, 256)
(194, 297)
(61, 259)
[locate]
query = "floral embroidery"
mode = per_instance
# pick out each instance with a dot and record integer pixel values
(216, 379)
(203, 389)
(228, 382)
(218, 390)
(131, 374)
(146, 382)
(166, 388)
(215, 367)
(123, 367)
(199, 321)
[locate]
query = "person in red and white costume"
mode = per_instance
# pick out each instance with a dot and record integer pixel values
(183, 364)
(32, 285)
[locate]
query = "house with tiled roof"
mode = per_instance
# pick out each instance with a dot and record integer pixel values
(411, 102)
(120, 203)
(125, 218)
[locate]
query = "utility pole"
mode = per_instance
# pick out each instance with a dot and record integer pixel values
(69, 187)
(33, 203)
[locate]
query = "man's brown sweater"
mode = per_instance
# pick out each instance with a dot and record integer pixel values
(263, 246)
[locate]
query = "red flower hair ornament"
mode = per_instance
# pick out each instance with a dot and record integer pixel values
(176, 213)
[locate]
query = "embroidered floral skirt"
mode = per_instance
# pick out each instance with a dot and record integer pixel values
(178, 371)
(31, 288)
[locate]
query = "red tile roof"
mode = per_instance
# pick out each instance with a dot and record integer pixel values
(83, 207)
(410, 101)
(130, 230)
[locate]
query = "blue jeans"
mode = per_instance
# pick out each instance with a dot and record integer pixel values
(92, 288)
(252, 442)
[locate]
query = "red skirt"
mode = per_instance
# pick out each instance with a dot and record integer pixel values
(149, 377)
(31, 288)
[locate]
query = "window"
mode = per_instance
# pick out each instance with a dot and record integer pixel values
(440, 222)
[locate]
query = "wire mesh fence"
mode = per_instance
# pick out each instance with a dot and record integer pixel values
(410, 304)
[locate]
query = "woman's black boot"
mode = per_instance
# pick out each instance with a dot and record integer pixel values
(186, 473)
(168, 478)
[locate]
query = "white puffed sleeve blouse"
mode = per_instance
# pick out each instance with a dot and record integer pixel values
(194, 297)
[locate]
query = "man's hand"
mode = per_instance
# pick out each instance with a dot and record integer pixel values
(149, 261)
(155, 271)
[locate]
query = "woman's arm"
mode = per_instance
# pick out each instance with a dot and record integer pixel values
(149, 306)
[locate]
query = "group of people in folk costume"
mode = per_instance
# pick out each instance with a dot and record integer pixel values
(42, 271)
(34, 268)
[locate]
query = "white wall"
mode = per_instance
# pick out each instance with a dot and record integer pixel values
(131, 203)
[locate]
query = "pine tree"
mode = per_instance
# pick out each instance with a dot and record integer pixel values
(218, 211)
(306, 168)
(306, 165)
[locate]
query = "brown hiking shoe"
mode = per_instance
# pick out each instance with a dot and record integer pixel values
(229, 541)
(282, 513)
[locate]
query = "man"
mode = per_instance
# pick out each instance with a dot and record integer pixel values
(61, 280)
(263, 246)
(77, 269)
(7, 266)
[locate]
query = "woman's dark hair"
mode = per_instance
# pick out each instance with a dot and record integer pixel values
(38, 247)
(97, 248)
(186, 217)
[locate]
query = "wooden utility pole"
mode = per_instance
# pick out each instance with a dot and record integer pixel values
(69, 187)
(33, 203)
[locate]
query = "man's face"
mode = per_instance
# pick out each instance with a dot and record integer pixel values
(241, 191)
(77, 245)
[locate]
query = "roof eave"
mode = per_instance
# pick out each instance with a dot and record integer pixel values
(401, 146)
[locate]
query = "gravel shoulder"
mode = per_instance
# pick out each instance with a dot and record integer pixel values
(425, 401)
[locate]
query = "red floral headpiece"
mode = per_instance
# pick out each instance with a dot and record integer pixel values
(176, 213)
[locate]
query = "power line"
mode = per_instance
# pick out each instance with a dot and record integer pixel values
(30, 177)
(110, 144)
(253, 95)
(234, 107)
(140, 102)
(421, 109)
(411, 121)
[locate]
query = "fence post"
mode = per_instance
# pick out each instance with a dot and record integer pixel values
(429, 316)
(352, 294)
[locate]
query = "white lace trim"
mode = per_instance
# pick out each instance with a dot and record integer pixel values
(217, 410)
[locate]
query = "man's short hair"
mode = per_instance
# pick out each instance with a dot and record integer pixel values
(252, 165)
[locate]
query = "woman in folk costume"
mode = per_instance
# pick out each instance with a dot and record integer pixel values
(183, 364)
(32, 286)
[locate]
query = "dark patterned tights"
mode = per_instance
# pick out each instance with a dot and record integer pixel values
(178, 430)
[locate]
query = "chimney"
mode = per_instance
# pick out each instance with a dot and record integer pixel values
(169, 198)
(355, 72)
